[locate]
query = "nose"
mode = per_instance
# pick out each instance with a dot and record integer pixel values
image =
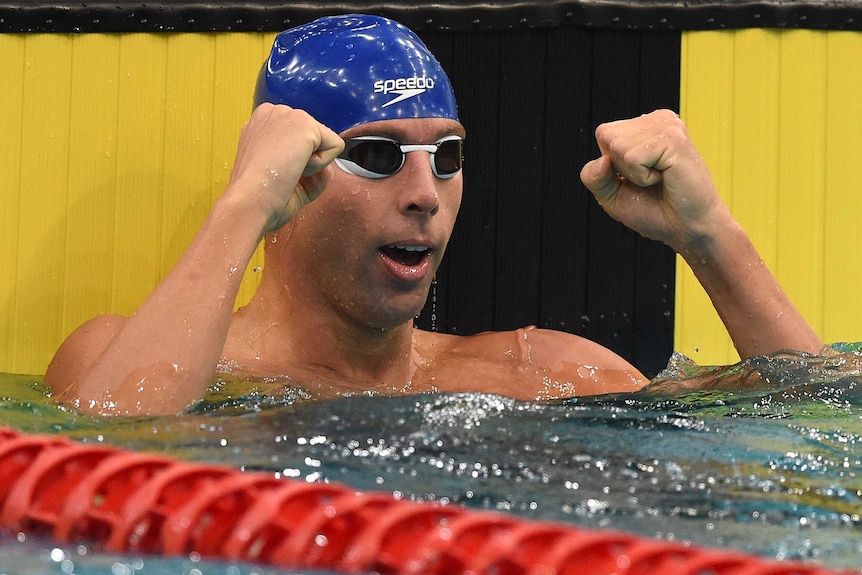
(420, 193)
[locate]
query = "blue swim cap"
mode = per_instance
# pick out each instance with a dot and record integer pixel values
(353, 69)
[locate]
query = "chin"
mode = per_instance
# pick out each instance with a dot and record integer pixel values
(396, 311)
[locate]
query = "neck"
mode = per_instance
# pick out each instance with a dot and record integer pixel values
(322, 349)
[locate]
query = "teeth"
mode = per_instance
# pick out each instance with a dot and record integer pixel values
(411, 248)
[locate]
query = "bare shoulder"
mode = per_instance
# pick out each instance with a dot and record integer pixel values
(524, 362)
(81, 349)
(544, 346)
(551, 347)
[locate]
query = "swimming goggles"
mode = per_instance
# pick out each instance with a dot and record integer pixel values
(379, 157)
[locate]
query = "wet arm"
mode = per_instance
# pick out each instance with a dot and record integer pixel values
(651, 178)
(163, 357)
(758, 315)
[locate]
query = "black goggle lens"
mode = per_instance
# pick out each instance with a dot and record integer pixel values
(448, 158)
(377, 156)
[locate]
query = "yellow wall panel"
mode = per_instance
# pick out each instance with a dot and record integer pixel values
(782, 140)
(842, 315)
(43, 193)
(801, 169)
(11, 98)
(187, 165)
(89, 240)
(137, 250)
(754, 154)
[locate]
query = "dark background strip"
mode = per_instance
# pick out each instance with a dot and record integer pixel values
(187, 16)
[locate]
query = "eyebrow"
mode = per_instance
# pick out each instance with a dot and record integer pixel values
(400, 135)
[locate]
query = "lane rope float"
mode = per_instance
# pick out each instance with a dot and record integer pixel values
(130, 502)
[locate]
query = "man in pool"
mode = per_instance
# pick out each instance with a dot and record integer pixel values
(349, 170)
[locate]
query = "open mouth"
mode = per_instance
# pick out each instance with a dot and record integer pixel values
(406, 255)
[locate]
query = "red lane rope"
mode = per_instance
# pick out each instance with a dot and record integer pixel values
(132, 502)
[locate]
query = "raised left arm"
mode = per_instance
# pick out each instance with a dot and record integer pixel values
(651, 178)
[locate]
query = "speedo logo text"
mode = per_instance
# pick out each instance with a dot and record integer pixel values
(404, 88)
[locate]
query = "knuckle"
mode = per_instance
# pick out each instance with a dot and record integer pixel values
(617, 147)
(604, 134)
(667, 116)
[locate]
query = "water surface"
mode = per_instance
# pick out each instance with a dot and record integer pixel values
(763, 457)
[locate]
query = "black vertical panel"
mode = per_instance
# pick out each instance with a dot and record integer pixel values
(531, 246)
(519, 173)
(474, 241)
(566, 203)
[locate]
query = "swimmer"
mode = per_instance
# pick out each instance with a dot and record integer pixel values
(349, 171)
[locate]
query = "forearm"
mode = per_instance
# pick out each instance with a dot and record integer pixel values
(758, 315)
(651, 178)
(165, 355)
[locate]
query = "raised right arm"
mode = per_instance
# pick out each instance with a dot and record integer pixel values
(162, 358)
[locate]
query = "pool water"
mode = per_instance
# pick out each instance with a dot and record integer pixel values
(763, 457)
(40, 557)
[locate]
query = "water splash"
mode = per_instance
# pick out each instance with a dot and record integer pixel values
(763, 456)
